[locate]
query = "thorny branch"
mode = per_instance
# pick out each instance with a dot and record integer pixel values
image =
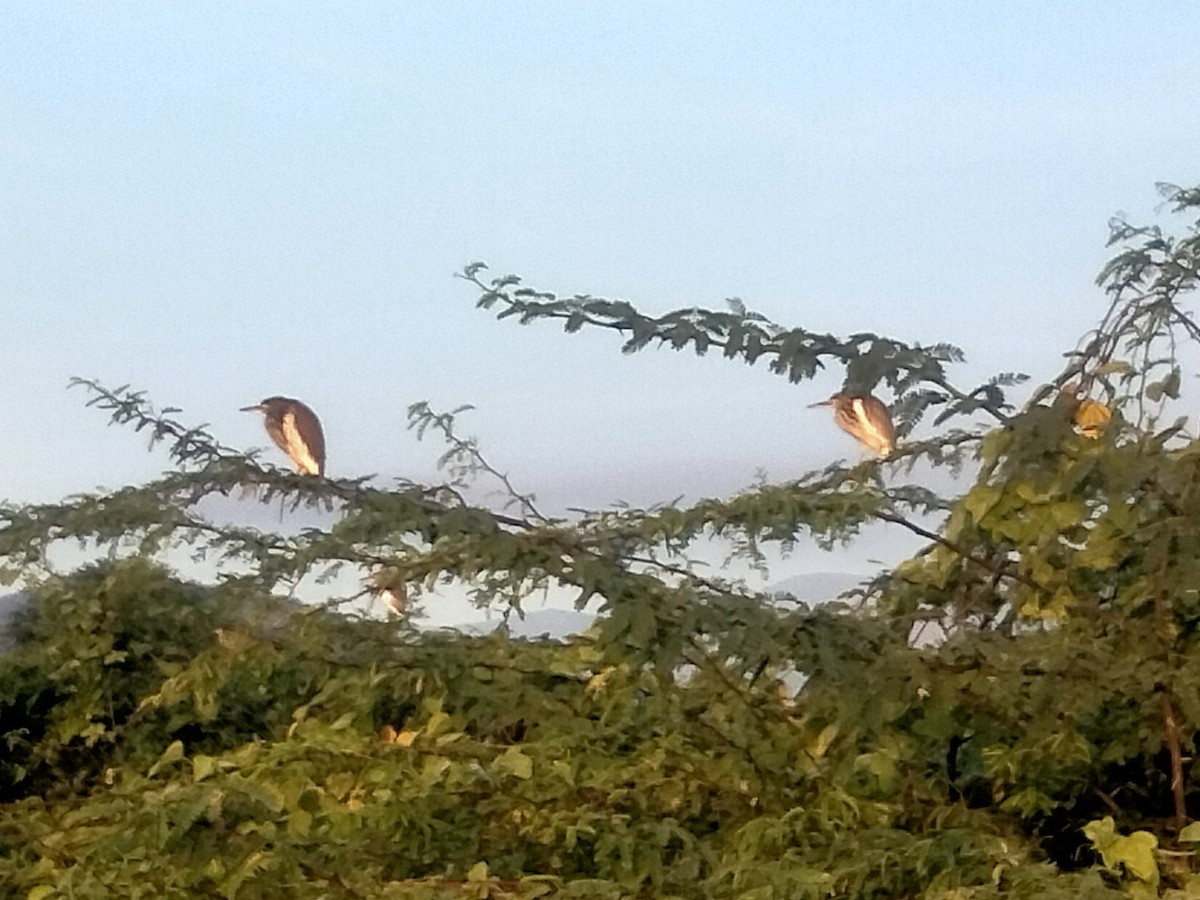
(464, 453)
(767, 338)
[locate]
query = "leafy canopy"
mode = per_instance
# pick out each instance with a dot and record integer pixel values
(1010, 713)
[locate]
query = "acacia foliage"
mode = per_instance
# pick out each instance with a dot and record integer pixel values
(169, 739)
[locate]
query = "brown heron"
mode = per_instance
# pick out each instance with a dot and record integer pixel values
(866, 418)
(296, 430)
(388, 585)
(395, 599)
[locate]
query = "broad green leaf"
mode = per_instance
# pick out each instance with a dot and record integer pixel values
(299, 822)
(1134, 851)
(433, 767)
(173, 753)
(202, 767)
(980, 500)
(514, 762)
(1066, 513)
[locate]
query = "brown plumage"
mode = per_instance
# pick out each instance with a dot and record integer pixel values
(296, 430)
(866, 418)
(388, 585)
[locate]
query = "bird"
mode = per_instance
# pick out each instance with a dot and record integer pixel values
(387, 584)
(395, 599)
(296, 430)
(866, 418)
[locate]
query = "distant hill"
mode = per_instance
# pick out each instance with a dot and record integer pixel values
(558, 623)
(817, 586)
(555, 623)
(10, 606)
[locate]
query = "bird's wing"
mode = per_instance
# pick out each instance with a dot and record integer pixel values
(305, 442)
(876, 423)
(276, 433)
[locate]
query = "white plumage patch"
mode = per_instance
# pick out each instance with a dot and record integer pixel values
(395, 599)
(306, 463)
(873, 436)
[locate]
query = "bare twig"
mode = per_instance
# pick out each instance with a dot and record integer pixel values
(1171, 732)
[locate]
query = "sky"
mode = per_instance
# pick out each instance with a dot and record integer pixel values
(218, 202)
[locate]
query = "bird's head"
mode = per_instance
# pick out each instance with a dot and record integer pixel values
(830, 402)
(267, 406)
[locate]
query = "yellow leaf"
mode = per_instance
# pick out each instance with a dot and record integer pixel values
(1135, 851)
(980, 499)
(515, 762)
(818, 747)
(202, 767)
(1091, 417)
(1030, 492)
(298, 823)
(39, 892)
(433, 767)
(596, 682)
(438, 723)
(173, 753)
(478, 872)
(214, 869)
(406, 738)
(1066, 513)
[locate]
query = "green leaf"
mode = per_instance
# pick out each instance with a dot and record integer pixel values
(299, 822)
(1134, 851)
(1066, 513)
(173, 753)
(980, 499)
(513, 762)
(820, 744)
(202, 767)
(1170, 384)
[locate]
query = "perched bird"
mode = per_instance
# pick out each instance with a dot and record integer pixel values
(388, 585)
(296, 430)
(395, 599)
(866, 418)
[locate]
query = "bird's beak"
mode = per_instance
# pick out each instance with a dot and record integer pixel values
(257, 408)
(822, 403)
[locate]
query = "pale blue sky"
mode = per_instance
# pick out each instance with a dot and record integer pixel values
(221, 201)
